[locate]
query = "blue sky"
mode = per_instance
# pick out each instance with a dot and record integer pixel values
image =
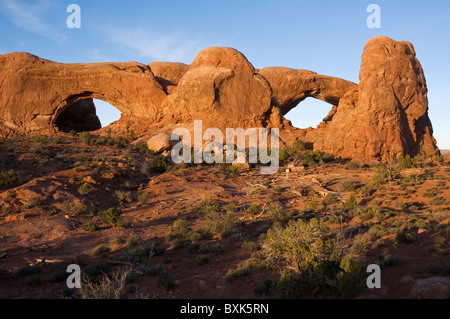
(327, 37)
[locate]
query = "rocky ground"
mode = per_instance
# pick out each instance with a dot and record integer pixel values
(151, 229)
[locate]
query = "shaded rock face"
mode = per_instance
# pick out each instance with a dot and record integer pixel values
(168, 74)
(80, 117)
(382, 118)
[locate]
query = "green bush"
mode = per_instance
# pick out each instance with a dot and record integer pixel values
(73, 209)
(159, 164)
(112, 216)
(10, 178)
(101, 250)
(28, 271)
(203, 260)
(180, 228)
(254, 210)
(404, 237)
(351, 202)
(89, 227)
(84, 189)
(134, 241)
(316, 158)
(86, 138)
(124, 197)
(405, 162)
(35, 201)
(218, 223)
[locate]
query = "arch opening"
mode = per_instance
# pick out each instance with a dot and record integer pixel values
(310, 113)
(86, 115)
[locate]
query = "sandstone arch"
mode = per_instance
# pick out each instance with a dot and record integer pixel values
(291, 86)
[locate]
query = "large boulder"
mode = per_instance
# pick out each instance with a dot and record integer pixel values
(431, 288)
(222, 89)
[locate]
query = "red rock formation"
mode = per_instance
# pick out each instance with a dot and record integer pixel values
(387, 115)
(383, 117)
(35, 91)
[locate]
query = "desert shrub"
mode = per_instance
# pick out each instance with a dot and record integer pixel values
(298, 246)
(299, 145)
(254, 209)
(384, 174)
(236, 273)
(154, 271)
(89, 227)
(11, 178)
(112, 216)
(134, 241)
(101, 250)
(263, 288)
(285, 154)
(178, 243)
(166, 281)
(386, 260)
(278, 188)
(115, 286)
(405, 162)
(311, 258)
(315, 158)
(35, 201)
(28, 270)
(346, 186)
(231, 207)
(159, 164)
(233, 169)
(143, 199)
(120, 141)
(330, 199)
(367, 191)
(250, 246)
(352, 165)
(86, 138)
(203, 260)
(351, 202)
(403, 237)
(215, 249)
(439, 268)
(142, 148)
(84, 189)
(438, 201)
(179, 228)
(124, 197)
(234, 235)
(218, 223)
(73, 209)
(280, 215)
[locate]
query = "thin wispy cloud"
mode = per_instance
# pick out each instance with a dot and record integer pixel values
(30, 17)
(176, 46)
